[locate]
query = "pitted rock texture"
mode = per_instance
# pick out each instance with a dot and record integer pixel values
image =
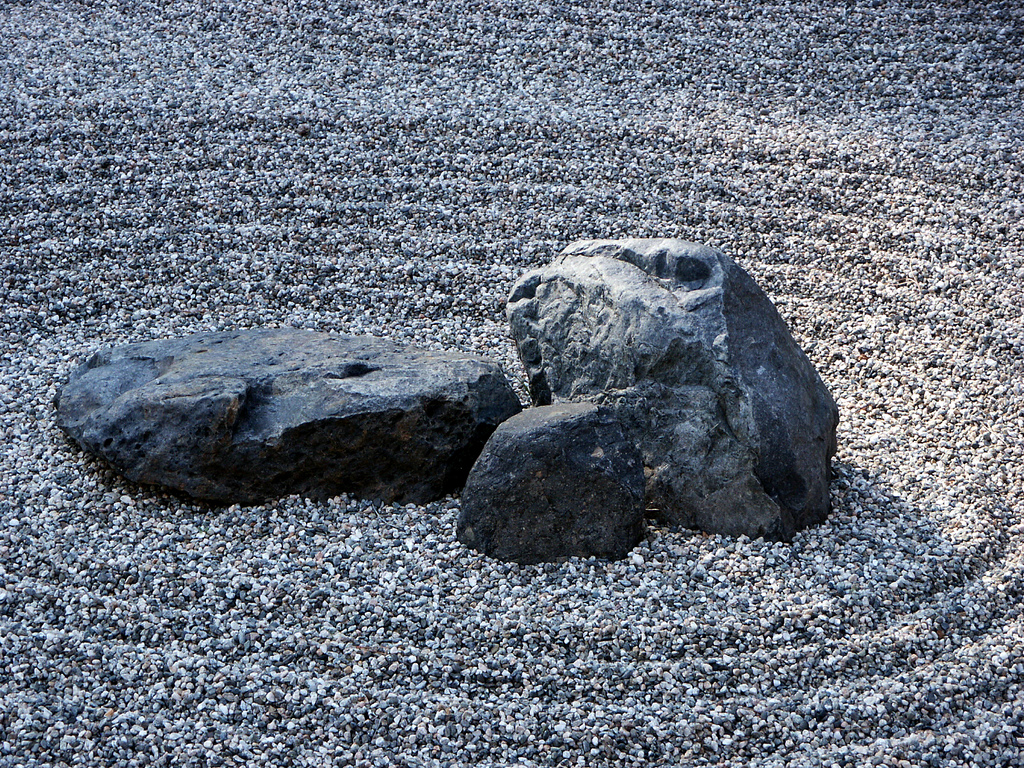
(555, 482)
(736, 427)
(246, 416)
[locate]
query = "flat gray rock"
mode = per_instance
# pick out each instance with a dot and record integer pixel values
(555, 482)
(736, 427)
(247, 416)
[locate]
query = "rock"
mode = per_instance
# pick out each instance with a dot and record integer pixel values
(555, 482)
(247, 416)
(736, 427)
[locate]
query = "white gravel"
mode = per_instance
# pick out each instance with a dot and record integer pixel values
(391, 169)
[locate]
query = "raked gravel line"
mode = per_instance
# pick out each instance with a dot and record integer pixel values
(391, 169)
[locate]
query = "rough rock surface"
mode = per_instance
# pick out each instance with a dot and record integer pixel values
(736, 427)
(251, 415)
(555, 482)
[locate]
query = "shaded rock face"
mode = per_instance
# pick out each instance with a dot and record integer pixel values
(247, 416)
(736, 427)
(555, 482)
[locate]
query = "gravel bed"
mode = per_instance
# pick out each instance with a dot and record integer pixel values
(390, 169)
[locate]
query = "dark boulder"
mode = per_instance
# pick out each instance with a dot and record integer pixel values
(555, 482)
(736, 427)
(247, 416)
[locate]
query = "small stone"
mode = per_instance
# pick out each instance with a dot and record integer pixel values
(555, 482)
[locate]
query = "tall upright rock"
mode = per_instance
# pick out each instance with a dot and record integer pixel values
(736, 428)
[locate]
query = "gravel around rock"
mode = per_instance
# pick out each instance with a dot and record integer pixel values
(391, 169)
